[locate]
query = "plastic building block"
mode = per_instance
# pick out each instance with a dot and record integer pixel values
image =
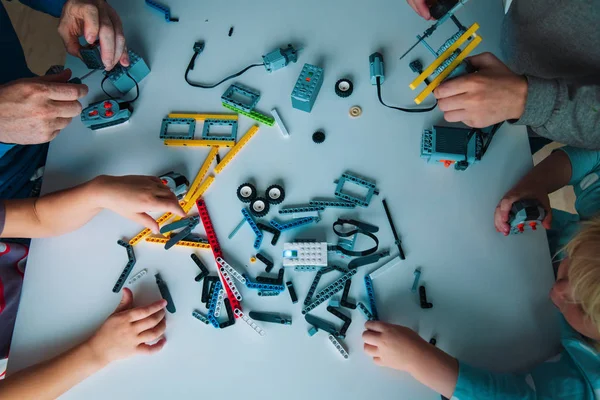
(201, 173)
(370, 186)
(137, 276)
(199, 316)
(329, 291)
(275, 194)
(257, 232)
(203, 270)
(305, 253)
(192, 237)
(198, 143)
(376, 68)
(128, 267)
(212, 304)
(321, 324)
(295, 210)
(204, 117)
(270, 317)
(371, 296)
(267, 279)
(385, 267)
(347, 320)
(250, 322)
(451, 146)
(251, 95)
(335, 302)
(230, 283)
(201, 190)
(292, 291)
(365, 311)
(164, 292)
(233, 152)
(180, 224)
(313, 331)
(293, 224)
(265, 260)
(275, 232)
(314, 284)
(230, 270)
(423, 298)
(165, 11)
(344, 301)
(106, 113)
(346, 243)
(263, 286)
(162, 219)
(341, 349)
(525, 213)
(268, 293)
(306, 268)
(370, 259)
(280, 58)
(206, 288)
(397, 240)
(209, 123)
(237, 228)
(220, 297)
(181, 243)
(415, 284)
(125, 78)
(279, 123)
(91, 56)
(280, 276)
(167, 122)
(191, 224)
(255, 115)
(332, 204)
(177, 183)
(230, 316)
(307, 87)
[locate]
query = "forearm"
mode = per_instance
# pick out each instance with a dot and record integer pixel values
(54, 214)
(553, 173)
(435, 369)
(51, 378)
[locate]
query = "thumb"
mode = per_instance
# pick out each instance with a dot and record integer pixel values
(126, 301)
(62, 77)
(484, 60)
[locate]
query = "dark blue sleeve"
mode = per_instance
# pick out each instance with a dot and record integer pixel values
(52, 7)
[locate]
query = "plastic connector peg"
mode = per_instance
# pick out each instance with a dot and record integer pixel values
(376, 68)
(198, 47)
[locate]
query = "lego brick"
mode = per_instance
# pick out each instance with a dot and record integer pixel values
(204, 117)
(344, 301)
(293, 224)
(279, 123)
(229, 282)
(423, 298)
(237, 228)
(209, 123)
(251, 95)
(346, 243)
(365, 311)
(164, 292)
(199, 143)
(280, 58)
(270, 317)
(230, 270)
(199, 316)
(385, 267)
(415, 284)
(198, 193)
(201, 173)
(180, 224)
(230, 316)
(294, 210)
(209, 281)
(371, 297)
(106, 113)
(268, 293)
(397, 240)
(335, 302)
(167, 122)
(236, 149)
(250, 322)
(257, 232)
(212, 304)
(341, 349)
(306, 268)
(347, 320)
(265, 260)
(91, 56)
(181, 243)
(370, 259)
(220, 297)
(314, 284)
(266, 279)
(203, 270)
(164, 10)
(192, 237)
(331, 204)
(276, 233)
(305, 254)
(292, 291)
(329, 291)
(263, 286)
(313, 331)
(346, 177)
(137, 276)
(125, 78)
(161, 220)
(307, 87)
(128, 267)
(173, 240)
(263, 119)
(525, 214)
(321, 324)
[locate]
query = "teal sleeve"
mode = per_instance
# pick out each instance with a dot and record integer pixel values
(583, 162)
(474, 383)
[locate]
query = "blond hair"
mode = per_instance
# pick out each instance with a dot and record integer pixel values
(584, 269)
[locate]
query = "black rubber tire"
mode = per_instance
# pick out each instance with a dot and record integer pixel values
(318, 137)
(275, 200)
(243, 197)
(349, 88)
(257, 204)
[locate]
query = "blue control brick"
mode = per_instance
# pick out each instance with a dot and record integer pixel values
(307, 87)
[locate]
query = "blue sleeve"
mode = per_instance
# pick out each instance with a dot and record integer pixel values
(474, 383)
(583, 162)
(52, 7)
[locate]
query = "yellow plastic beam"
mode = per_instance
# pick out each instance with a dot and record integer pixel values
(162, 219)
(202, 117)
(438, 61)
(442, 75)
(233, 152)
(184, 243)
(203, 188)
(199, 143)
(201, 174)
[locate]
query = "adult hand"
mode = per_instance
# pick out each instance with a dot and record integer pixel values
(34, 110)
(520, 193)
(127, 330)
(492, 94)
(133, 196)
(94, 19)
(420, 7)
(392, 346)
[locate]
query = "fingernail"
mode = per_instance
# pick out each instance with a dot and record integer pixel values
(90, 39)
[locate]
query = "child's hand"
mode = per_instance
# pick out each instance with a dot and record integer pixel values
(420, 7)
(127, 330)
(133, 196)
(392, 346)
(516, 194)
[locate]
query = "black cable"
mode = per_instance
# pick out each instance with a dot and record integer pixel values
(408, 110)
(208, 86)
(137, 88)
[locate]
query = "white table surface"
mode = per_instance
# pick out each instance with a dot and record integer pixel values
(489, 292)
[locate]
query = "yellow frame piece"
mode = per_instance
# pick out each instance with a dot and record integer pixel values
(438, 61)
(184, 243)
(441, 76)
(162, 219)
(202, 117)
(233, 152)
(203, 188)
(199, 143)
(201, 173)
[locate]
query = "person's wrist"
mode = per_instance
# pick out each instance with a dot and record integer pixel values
(97, 191)
(520, 97)
(94, 357)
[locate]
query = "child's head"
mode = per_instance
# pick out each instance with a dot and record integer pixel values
(577, 289)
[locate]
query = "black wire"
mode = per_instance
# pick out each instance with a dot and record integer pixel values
(137, 88)
(408, 110)
(208, 86)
